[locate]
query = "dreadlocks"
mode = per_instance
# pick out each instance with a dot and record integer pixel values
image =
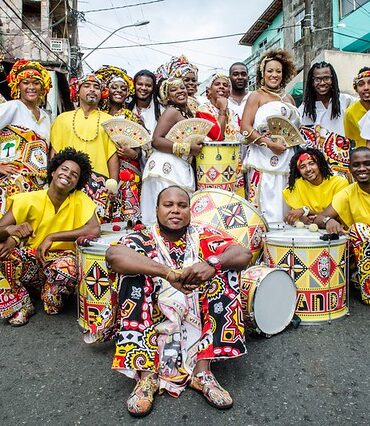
(310, 92)
(318, 156)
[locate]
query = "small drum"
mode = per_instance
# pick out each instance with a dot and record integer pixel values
(94, 284)
(268, 299)
(232, 214)
(318, 268)
(217, 165)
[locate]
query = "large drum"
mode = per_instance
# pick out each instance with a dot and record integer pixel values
(318, 268)
(94, 288)
(268, 299)
(217, 165)
(232, 214)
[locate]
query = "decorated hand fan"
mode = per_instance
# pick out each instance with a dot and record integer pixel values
(189, 130)
(282, 127)
(126, 133)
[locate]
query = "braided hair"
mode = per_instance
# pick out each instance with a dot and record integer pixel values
(147, 73)
(309, 100)
(294, 172)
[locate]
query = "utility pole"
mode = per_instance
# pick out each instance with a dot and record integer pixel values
(307, 40)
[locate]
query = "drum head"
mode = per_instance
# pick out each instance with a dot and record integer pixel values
(274, 302)
(300, 237)
(100, 246)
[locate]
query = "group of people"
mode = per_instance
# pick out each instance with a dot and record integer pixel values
(177, 289)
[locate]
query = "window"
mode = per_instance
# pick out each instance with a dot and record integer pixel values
(298, 25)
(31, 14)
(348, 6)
(262, 44)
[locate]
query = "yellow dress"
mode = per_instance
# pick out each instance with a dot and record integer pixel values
(352, 116)
(352, 205)
(316, 197)
(37, 209)
(99, 149)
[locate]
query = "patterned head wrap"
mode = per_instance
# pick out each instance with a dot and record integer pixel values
(177, 67)
(305, 156)
(166, 86)
(216, 76)
(359, 77)
(109, 74)
(23, 69)
(75, 84)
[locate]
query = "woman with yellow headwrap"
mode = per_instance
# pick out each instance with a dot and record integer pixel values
(118, 87)
(24, 138)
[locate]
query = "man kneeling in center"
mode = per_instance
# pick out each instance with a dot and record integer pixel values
(179, 305)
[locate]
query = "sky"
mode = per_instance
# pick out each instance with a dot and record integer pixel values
(170, 20)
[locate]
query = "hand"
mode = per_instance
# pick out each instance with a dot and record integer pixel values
(334, 227)
(127, 152)
(193, 276)
(6, 248)
(276, 147)
(221, 104)
(293, 216)
(195, 148)
(42, 249)
(8, 169)
(23, 230)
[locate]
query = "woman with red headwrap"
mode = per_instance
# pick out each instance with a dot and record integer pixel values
(311, 186)
(24, 138)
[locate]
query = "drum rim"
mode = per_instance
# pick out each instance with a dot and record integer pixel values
(233, 195)
(221, 143)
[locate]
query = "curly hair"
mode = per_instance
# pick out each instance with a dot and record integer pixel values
(155, 94)
(309, 100)
(70, 154)
(281, 55)
(294, 172)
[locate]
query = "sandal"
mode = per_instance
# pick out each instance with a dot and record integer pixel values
(22, 316)
(140, 402)
(206, 383)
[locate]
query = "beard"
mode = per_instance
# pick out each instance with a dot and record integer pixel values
(178, 233)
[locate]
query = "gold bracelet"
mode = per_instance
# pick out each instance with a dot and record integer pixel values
(16, 239)
(247, 135)
(257, 139)
(175, 148)
(168, 274)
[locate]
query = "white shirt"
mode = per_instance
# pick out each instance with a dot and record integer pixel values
(148, 116)
(16, 113)
(238, 107)
(323, 115)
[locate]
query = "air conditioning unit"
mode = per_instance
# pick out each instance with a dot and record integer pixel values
(56, 45)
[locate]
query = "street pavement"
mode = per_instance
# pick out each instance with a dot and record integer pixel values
(312, 375)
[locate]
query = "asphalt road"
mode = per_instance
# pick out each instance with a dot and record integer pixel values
(314, 375)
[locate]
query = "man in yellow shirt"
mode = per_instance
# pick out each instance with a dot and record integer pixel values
(37, 235)
(358, 109)
(82, 130)
(311, 186)
(351, 208)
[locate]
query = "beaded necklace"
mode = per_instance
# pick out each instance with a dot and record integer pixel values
(186, 114)
(278, 92)
(75, 131)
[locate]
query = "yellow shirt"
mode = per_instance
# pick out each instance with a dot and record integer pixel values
(99, 150)
(316, 197)
(352, 116)
(37, 209)
(352, 205)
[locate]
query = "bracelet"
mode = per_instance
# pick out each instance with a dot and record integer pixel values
(168, 274)
(306, 211)
(181, 149)
(257, 139)
(177, 272)
(16, 239)
(247, 134)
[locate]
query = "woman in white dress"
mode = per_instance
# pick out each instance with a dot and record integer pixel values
(268, 160)
(170, 163)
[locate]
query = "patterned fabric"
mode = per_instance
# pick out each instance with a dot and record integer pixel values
(177, 67)
(27, 151)
(360, 239)
(149, 337)
(23, 69)
(128, 195)
(22, 272)
(336, 148)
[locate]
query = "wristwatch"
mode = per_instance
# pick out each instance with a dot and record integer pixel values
(214, 261)
(326, 219)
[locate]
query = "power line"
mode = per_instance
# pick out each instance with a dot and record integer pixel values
(121, 7)
(35, 34)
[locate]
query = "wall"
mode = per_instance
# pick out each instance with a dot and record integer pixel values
(356, 27)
